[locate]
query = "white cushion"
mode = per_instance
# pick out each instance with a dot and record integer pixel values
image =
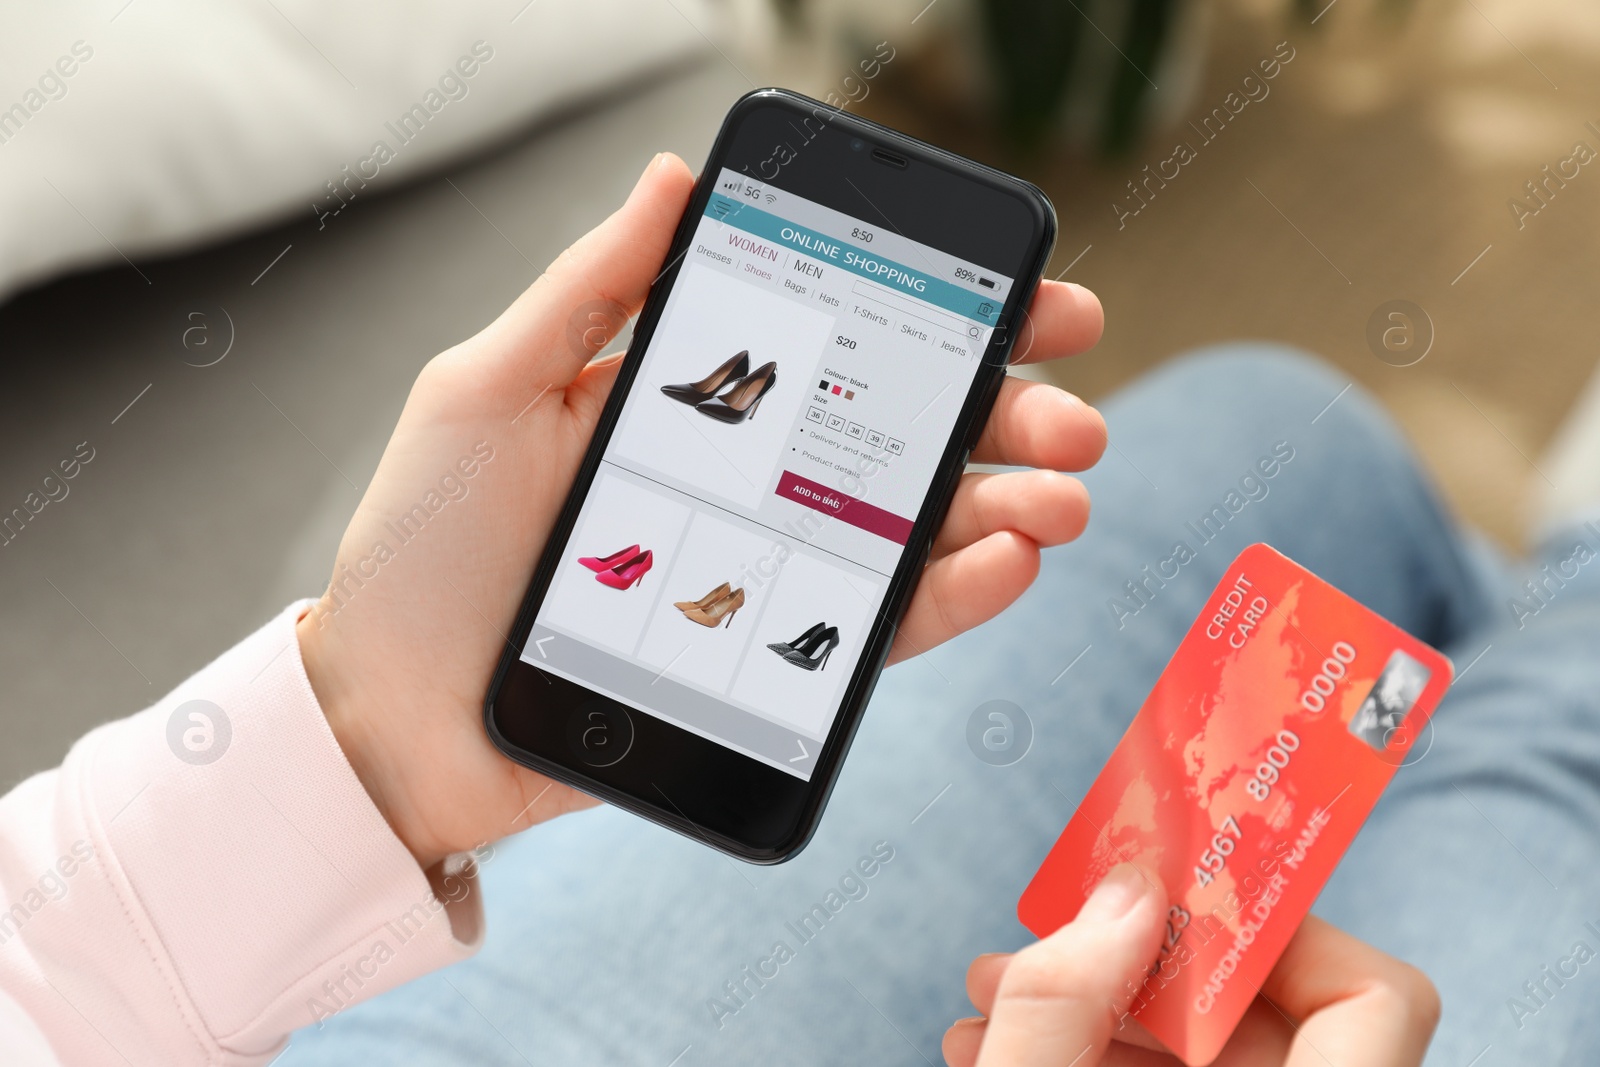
(170, 122)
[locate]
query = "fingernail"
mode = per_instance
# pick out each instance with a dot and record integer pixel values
(1123, 887)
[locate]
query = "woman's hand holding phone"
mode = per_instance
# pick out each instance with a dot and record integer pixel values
(400, 663)
(1330, 1000)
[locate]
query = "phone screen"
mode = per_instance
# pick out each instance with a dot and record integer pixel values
(761, 484)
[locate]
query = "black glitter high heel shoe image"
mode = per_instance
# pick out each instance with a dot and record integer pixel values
(783, 648)
(806, 656)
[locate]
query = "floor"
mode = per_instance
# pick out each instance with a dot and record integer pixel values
(1379, 168)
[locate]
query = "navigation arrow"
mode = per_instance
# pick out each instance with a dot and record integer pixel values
(803, 753)
(539, 644)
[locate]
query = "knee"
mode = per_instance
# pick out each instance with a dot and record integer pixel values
(1256, 373)
(1236, 399)
(1259, 383)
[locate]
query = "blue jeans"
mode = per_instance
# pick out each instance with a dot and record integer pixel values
(613, 941)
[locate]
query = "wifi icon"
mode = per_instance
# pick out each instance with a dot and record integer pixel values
(770, 198)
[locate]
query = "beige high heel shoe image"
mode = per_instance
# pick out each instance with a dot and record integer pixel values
(706, 601)
(719, 612)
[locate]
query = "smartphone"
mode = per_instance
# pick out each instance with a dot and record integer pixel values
(802, 390)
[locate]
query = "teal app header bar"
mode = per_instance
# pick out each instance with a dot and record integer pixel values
(886, 272)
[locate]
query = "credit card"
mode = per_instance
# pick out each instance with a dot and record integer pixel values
(1246, 774)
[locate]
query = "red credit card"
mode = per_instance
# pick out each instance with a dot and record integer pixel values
(1244, 777)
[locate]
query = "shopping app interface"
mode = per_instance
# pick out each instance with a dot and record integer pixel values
(762, 481)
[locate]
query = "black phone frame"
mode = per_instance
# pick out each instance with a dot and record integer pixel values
(718, 796)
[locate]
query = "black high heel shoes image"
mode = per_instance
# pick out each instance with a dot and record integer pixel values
(740, 402)
(783, 648)
(806, 656)
(706, 388)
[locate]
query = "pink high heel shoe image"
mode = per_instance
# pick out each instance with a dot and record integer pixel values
(627, 574)
(605, 563)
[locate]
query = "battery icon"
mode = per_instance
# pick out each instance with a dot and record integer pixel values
(987, 283)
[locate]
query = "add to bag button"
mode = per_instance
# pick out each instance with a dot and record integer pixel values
(858, 513)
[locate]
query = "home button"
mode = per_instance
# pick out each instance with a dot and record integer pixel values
(600, 732)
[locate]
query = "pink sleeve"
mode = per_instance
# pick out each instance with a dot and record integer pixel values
(179, 893)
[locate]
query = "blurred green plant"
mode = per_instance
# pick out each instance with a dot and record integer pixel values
(1032, 45)
(1034, 48)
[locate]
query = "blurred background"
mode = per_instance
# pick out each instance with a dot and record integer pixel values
(214, 284)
